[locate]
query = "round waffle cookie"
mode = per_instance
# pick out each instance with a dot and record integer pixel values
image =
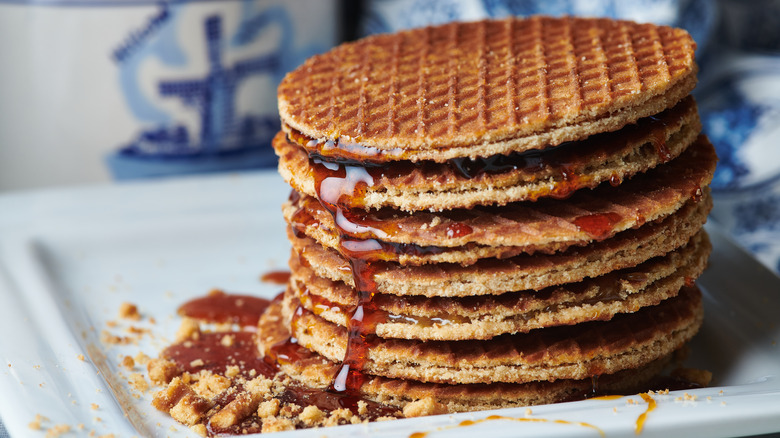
(546, 226)
(316, 371)
(566, 352)
(485, 88)
(496, 180)
(483, 317)
(534, 272)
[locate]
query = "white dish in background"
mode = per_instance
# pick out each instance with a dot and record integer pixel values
(69, 258)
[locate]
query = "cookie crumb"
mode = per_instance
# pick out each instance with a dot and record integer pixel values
(268, 408)
(80, 357)
(138, 382)
(181, 402)
(311, 415)
(339, 416)
(94, 406)
(162, 371)
(57, 430)
(241, 407)
(276, 424)
(128, 362)
(129, 311)
(227, 340)
(424, 407)
(189, 329)
(232, 371)
(200, 429)
(36, 423)
(141, 358)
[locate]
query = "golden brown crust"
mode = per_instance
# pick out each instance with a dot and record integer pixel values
(534, 272)
(490, 82)
(556, 172)
(483, 317)
(568, 352)
(546, 226)
(316, 371)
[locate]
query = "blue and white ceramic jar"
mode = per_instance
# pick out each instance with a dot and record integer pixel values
(138, 88)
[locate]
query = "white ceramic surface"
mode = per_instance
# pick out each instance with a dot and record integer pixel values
(68, 258)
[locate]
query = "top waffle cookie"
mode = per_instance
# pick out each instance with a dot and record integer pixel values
(482, 88)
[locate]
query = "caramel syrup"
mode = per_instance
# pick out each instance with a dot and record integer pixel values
(697, 194)
(350, 377)
(316, 304)
(215, 352)
(219, 307)
(360, 233)
(598, 225)
(467, 423)
(276, 277)
(330, 401)
(659, 141)
(210, 352)
(651, 405)
(338, 185)
(349, 160)
(337, 177)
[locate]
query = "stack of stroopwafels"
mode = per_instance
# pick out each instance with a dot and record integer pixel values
(492, 214)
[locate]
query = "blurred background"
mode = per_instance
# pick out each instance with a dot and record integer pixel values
(94, 91)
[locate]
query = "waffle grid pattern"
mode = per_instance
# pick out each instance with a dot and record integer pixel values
(464, 83)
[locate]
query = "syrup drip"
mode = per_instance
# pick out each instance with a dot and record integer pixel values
(458, 229)
(359, 233)
(615, 180)
(219, 307)
(288, 350)
(339, 184)
(659, 141)
(697, 194)
(636, 277)
(316, 303)
(651, 405)
(365, 317)
(276, 277)
(598, 225)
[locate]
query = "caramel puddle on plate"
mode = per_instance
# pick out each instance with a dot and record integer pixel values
(466, 423)
(640, 421)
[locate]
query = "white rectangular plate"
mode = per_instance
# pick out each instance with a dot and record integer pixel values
(69, 258)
